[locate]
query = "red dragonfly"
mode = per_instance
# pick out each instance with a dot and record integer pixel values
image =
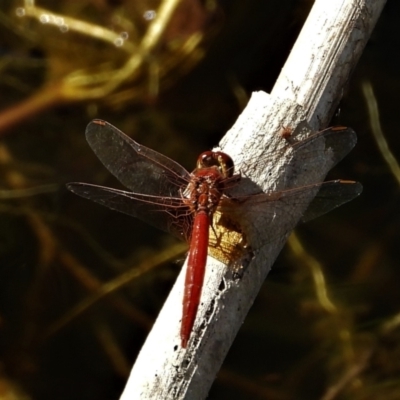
(201, 207)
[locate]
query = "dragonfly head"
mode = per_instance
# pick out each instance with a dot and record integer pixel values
(218, 159)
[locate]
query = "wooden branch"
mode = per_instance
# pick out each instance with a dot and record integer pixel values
(309, 88)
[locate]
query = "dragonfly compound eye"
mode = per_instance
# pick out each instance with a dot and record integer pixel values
(206, 159)
(216, 159)
(225, 163)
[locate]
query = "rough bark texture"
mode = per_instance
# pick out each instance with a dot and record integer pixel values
(309, 88)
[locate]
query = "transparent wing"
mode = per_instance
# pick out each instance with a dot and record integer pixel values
(137, 167)
(169, 214)
(338, 141)
(278, 210)
(328, 146)
(330, 196)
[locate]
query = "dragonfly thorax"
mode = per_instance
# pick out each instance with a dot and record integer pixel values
(204, 190)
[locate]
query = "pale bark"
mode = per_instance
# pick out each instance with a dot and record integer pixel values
(308, 88)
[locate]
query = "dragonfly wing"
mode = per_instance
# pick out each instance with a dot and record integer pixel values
(137, 167)
(166, 213)
(300, 156)
(335, 143)
(279, 210)
(331, 195)
(340, 140)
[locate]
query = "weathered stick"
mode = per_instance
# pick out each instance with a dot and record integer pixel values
(308, 88)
